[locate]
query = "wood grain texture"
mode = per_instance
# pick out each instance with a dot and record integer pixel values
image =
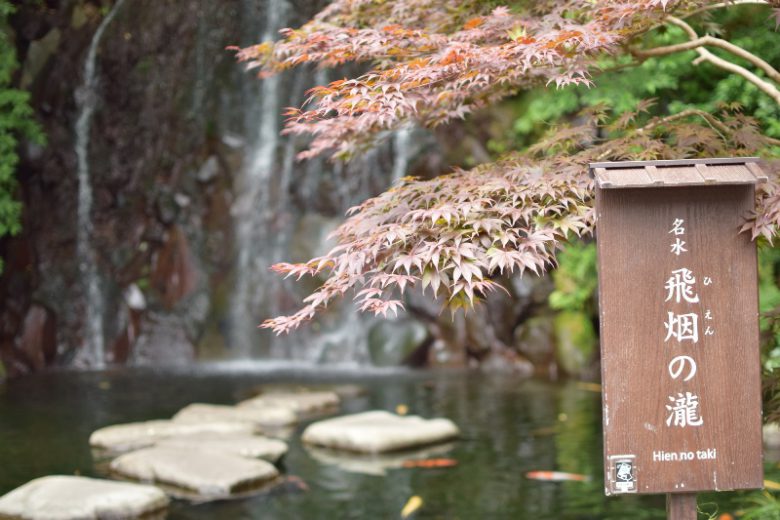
(635, 263)
(681, 506)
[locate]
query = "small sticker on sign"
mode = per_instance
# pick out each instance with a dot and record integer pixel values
(623, 474)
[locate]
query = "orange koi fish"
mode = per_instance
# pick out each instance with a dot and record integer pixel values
(556, 476)
(430, 463)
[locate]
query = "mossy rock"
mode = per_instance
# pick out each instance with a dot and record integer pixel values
(575, 341)
(390, 342)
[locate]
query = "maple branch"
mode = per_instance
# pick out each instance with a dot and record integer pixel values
(720, 5)
(705, 55)
(714, 42)
(709, 118)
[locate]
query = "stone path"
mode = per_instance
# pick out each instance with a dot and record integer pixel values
(209, 452)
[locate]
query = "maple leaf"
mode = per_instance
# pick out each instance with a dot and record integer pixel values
(452, 234)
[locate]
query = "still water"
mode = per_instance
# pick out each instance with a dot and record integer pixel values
(509, 426)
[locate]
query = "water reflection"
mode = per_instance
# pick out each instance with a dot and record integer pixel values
(509, 427)
(376, 465)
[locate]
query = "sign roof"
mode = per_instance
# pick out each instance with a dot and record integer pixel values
(685, 172)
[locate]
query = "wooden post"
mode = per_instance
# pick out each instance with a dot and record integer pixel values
(681, 506)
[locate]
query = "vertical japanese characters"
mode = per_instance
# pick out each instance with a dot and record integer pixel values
(682, 325)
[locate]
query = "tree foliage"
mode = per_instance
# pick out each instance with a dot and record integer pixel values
(16, 120)
(435, 61)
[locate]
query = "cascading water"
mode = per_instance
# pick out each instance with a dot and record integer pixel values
(402, 148)
(266, 216)
(344, 338)
(254, 209)
(93, 353)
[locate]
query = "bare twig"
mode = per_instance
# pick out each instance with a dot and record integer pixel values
(709, 118)
(705, 55)
(720, 5)
(713, 42)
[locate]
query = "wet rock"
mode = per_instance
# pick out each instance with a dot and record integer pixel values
(310, 236)
(182, 200)
(209, 170)
(124, 437)
(38, 338)
(134, 298)
(299, 402)
(135, 304)
(174, 273)
(166, 208)
(248, 446)
(391, 342)
(257, 415)
(212, 474)
(506, 362)
(163, 341)
(535, 339)
(379, 431)
(79, 17)
(68, 498)
(38, 56)
(575, 341)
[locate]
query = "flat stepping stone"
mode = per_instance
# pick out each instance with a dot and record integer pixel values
(272, 416)
(130, 436)
(299, 402)
(252, 447)
(378, 432)
(210, 474)
(771, 433)
(61, 497)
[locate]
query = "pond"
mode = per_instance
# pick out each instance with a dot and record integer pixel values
(509, 427)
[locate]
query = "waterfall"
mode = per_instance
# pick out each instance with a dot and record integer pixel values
(265, 215)
(86, 100)
(254, 209)
(402, 148)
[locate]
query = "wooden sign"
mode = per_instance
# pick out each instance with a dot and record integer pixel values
(679, 326)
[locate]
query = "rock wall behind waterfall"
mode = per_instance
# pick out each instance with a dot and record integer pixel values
(176, 127)
(176, 124)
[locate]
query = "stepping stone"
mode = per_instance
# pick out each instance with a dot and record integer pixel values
(299, 402)
(252, 447)
(63, 497)
(130, 436)
(772, 435)
(210, 474)
(378, 431)
(260, 416)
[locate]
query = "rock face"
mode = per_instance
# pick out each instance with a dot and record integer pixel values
(123, 437)
(175, 134)
(176, 131)
(378, 432)
(576, 341)
(207, 473)
(199, 413)
(70, 498)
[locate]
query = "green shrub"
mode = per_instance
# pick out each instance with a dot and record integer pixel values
(17, 122)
